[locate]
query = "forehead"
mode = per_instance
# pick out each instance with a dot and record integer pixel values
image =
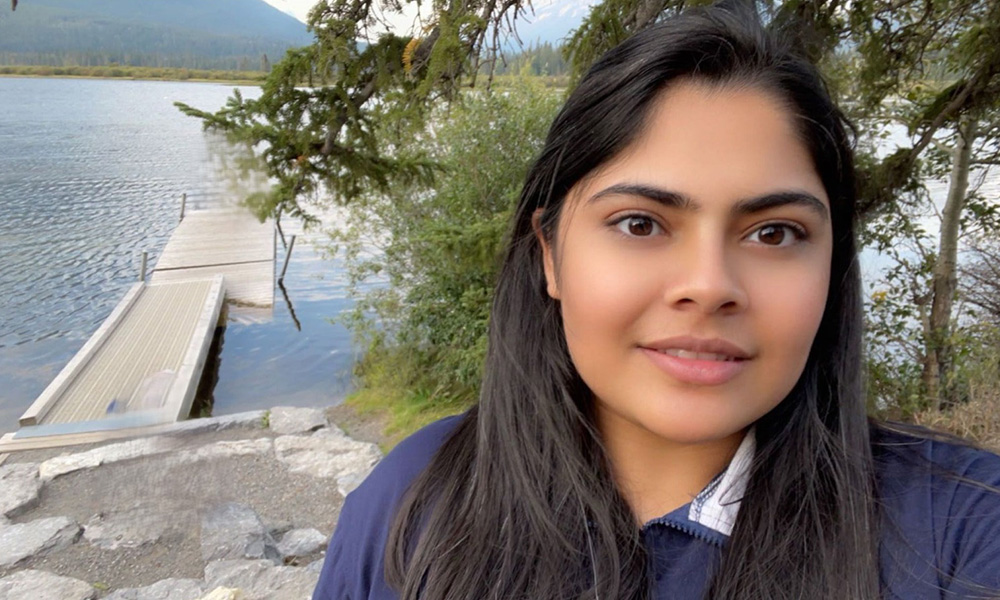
(716, 145)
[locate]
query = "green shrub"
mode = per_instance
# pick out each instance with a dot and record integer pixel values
(423, 328)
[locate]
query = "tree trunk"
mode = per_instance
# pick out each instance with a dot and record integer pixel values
(937, 362)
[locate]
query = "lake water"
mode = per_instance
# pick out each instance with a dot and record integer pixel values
(91, 174)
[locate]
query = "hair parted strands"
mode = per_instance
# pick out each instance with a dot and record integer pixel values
(520, 502)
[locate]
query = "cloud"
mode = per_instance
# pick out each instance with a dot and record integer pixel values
(559, 17)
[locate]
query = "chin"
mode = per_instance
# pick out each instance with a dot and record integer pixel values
(692, 429)
(692, 434)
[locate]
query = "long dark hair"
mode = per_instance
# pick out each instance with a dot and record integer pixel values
(520, 501)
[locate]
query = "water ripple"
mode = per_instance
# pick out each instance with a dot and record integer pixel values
(83, 191)
(91, 175)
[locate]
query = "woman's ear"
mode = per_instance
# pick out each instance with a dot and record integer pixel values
(547, 260)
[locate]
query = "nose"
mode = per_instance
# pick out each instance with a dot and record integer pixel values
(706, 279)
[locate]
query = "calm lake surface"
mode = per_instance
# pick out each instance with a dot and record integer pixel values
(91, 174)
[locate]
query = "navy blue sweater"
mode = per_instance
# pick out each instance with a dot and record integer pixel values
(942, 538)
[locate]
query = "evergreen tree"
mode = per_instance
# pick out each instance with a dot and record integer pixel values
(321, 136)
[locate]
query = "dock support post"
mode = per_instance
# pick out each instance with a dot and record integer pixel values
(184, 199)
(142, 266)
(288, 254)
(277, 223)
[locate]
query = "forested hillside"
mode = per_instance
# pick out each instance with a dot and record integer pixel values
(545, 58)
(222, 34)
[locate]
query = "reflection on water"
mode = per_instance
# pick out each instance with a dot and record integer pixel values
(91, 174)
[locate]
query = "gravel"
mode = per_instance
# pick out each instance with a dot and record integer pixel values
(282, 500)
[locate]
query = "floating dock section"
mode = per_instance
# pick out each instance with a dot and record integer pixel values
(223, 242)
(142, 367)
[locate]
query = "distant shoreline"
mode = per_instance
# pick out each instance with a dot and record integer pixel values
(135, 74)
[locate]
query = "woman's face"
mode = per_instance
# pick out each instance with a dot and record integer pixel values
(692, 270)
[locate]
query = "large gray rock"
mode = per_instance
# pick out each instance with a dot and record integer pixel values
(350, 479)
(133, 527)
(223, 593)
(43, 536)
(19, 487)
(168, 589)
(328, 453)
(301, 542)
(67, 463)
(316, 566)
(287, 420)
(279, 528)
(262, 580)
(233, 531)
(39, 585)
(225, 449)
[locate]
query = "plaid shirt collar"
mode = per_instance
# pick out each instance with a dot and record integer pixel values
(711, 515)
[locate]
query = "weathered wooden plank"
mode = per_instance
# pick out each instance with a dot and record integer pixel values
(9, 443)
(227, 242)
(145, 355)
(207, 238)
(38, 409)
(181, 396)
(128, 420)
(250, 283)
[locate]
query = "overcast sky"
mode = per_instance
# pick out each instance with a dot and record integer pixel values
(300, 9)
(570, 12)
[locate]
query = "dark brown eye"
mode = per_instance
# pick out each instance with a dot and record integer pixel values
(772, 235)
(640, 226)
(637, 226)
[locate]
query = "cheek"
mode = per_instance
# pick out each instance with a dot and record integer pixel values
(602, 295)
(790, 308)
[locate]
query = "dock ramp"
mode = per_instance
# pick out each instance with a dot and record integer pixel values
(140, 368)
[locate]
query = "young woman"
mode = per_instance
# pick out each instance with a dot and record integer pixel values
(672, 404)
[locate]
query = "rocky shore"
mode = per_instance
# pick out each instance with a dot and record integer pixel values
(231, 507)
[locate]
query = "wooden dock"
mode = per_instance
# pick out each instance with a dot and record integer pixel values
(142, 367)
(143, 358)
(223, 242)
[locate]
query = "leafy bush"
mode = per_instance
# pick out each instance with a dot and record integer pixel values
(978, 416)
(435, 249)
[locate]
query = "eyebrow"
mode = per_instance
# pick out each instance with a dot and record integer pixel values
(746, 206)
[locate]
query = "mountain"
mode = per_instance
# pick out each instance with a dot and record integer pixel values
(223, 34)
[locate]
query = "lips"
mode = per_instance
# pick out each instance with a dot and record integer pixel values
(697, 355)
(699, 348)
(695, 361)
